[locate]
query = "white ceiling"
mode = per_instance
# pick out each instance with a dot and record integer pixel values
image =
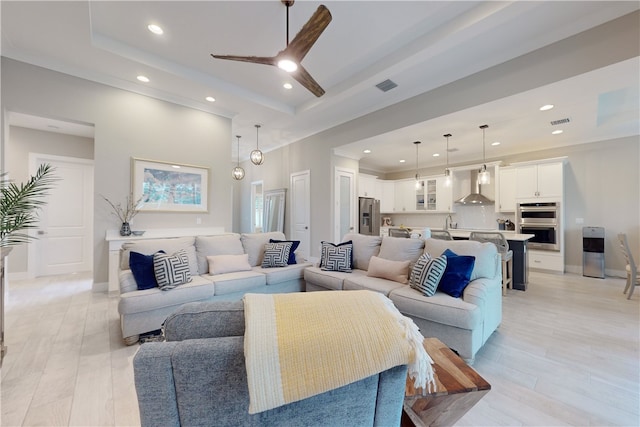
(420, 45)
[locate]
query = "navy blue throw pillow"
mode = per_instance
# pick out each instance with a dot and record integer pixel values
(457, 275)
(294, 246)
(142, 268)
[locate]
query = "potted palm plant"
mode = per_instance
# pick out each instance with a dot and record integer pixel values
(19, 206)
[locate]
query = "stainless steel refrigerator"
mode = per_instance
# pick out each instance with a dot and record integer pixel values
(369, 216)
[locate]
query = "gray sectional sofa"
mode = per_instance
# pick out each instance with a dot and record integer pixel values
(198, 378)
(145, 310)
(464, 324)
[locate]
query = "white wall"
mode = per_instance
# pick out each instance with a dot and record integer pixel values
(127, 125)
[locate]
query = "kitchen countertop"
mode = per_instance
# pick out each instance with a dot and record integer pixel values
(509, 234)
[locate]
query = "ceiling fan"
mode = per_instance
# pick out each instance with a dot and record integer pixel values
(290, 58)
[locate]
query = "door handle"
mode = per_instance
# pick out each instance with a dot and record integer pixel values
(306, 228)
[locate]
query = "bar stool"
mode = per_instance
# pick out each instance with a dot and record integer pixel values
(441, 234)
(506, 254)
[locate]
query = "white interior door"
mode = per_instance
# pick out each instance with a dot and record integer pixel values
(65, 235)
(345, 211)
(301, 211)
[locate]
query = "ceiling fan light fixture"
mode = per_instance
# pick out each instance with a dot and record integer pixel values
(287, 65)
(256, 156)
(238, 172)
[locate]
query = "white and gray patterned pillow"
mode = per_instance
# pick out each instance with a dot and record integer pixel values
(171, 270)
(426, 274)
(276, 254)
(336, 257)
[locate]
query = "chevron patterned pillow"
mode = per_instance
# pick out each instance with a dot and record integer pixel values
(426, 274)
(171, 270)
(336, 257)
(276, 254)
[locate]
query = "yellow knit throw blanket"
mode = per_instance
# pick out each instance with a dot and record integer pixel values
(301, 344)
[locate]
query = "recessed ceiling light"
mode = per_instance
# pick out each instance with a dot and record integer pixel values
(546, 107)
(210, 99)
(495, 143)
(436, 155)
(155, 29)
(557, 132)
(367, 151)
(144, 79)
(402, 161)
(175, 166)
(287, 86)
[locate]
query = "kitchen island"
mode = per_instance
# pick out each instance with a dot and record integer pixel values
(517, 243)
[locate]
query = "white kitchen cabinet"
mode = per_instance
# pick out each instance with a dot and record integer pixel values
(507, 190)
(366, 185)
(546, 261)
(444, 195)
(542, 180)
(405, 196)
(387, 196)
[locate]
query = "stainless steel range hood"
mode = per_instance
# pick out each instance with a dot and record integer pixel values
(475, 198)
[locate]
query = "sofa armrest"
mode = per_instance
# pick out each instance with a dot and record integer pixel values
(155, 386)
(205, 320)
(126, 281)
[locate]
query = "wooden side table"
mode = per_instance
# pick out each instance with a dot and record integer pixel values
(458, 388)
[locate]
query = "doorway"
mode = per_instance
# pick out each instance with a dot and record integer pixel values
(301, 211)
(345, 203)
(257, 206)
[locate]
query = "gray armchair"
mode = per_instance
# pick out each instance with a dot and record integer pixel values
(198, 378)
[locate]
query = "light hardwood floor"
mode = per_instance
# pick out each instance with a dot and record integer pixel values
(567, 353)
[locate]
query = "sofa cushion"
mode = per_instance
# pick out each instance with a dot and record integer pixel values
(439, 308)
(364, 247)
(401, 249)
(487, 258)
(336, 257)
(171, 270)
(426, 274)
(223, 244)
(292, 252)
(142, 270)
(220, 264)
(253, 244)
(151, 246)
(396, 271)
(332, 280)
(363, 282)
(276, 276)
(239, 281)
(276, 254)
(457, 273)
(198, 289)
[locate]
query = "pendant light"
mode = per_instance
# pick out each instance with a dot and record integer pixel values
(447, 172)
(417, 143)
(483, 174)
(256, 155)
(238, 172)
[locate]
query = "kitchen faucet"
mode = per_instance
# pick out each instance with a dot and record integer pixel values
(447, 222)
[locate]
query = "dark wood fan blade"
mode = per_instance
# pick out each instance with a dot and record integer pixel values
(307, 36)
(304, 78)
(255, 59)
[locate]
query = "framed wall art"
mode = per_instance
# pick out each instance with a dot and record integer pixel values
(169, 187)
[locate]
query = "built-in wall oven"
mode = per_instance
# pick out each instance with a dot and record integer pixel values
(542, 219)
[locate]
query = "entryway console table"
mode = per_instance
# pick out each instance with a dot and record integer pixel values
(115, 241)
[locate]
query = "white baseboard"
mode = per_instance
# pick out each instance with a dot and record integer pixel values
(21, 275)
(100, 287)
